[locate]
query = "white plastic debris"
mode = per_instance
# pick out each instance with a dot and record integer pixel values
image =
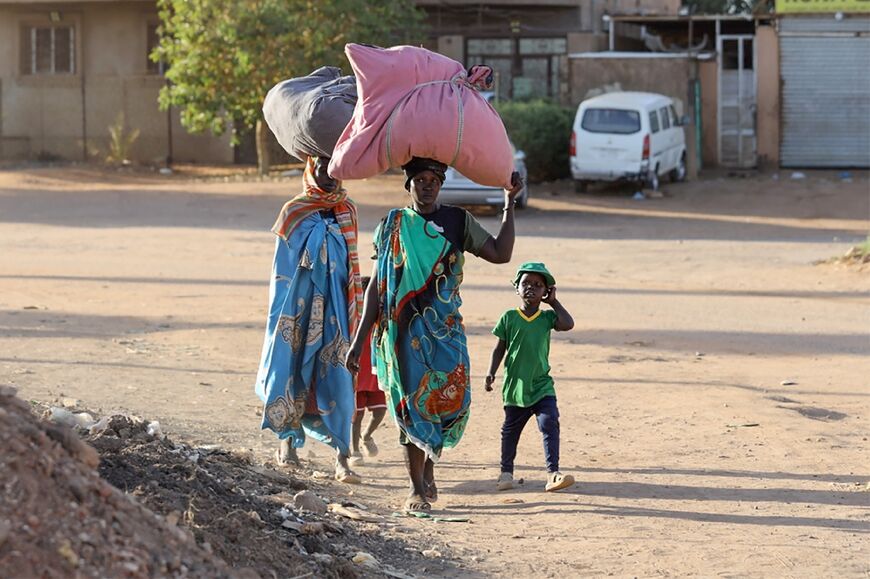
(84, 420)
(798, 175)
(62, 416)
(100, 425)
(155, 431)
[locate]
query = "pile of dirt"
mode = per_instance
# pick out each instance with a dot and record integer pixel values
(233, 508)
(159, 508)
(58, 518)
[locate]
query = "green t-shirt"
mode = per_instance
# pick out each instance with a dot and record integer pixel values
(526, 365)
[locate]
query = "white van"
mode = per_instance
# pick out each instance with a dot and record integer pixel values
(631, 136)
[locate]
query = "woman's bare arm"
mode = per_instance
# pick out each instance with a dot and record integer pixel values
(371, 306)
(500, 248)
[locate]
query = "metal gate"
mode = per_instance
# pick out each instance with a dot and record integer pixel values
(824, 65)
(737, 100)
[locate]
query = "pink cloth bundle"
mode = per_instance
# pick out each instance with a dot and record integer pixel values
(415, 103)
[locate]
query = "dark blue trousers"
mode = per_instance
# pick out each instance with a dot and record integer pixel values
(515, 419)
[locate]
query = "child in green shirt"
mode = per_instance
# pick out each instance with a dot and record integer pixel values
(524, 335)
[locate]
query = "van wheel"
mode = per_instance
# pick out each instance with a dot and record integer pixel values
(581, 186)
(678, 174)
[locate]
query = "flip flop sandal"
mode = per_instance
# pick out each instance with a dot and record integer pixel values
(415, 506)
(348, 477)
(557, 481)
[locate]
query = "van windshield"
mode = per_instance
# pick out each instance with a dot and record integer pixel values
(614, 121)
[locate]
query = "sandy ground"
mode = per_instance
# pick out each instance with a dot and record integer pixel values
(714, 393)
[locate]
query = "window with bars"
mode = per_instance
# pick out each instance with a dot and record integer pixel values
(524, 67)
(152, 39)
(48, 50)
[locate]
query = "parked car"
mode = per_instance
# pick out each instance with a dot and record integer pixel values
(459, 190)
(627, 136)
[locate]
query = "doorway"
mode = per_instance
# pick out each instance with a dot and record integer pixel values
(737, 145)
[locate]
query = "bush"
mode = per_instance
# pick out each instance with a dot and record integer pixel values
(542, 130)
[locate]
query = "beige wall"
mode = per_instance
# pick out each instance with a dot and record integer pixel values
(586, 42)
(644, 7)
(44, 114)
(668, 76)
(768, 111)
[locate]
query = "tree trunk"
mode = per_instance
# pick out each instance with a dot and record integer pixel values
(263, 161)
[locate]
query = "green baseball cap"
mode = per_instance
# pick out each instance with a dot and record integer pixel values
(535, 267)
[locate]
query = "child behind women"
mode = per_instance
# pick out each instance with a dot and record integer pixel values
(368, 396)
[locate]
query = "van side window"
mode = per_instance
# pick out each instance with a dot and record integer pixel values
(653, 122)
(673, 115)
(666, 122)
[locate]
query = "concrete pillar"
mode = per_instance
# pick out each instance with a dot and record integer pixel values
(708, 73)
(768, 107)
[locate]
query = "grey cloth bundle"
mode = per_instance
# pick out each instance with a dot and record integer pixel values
(308, 114)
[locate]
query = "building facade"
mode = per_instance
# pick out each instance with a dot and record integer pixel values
(68, 70)
(527, 43)
(824, 72)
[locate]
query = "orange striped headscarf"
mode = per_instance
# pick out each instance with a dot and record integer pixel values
(314, 199)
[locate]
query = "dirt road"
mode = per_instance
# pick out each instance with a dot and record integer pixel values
(714, 394)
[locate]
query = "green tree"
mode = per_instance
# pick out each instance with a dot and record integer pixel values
(224, 55)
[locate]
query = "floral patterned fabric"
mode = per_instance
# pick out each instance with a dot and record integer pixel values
(302, 379)
(420, 344)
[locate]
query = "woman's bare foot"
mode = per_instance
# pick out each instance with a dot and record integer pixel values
(343, 472)
(429, 489)
(285, 453)
(431, 492)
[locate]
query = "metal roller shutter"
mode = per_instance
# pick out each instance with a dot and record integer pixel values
(825, 72)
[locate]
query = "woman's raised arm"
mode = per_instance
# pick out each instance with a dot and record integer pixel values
(500, 248)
